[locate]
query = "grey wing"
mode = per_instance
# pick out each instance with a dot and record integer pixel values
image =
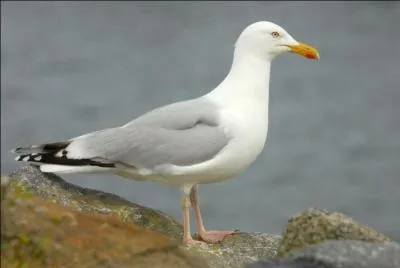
(181, 134)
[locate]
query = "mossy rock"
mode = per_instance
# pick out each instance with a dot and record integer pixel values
(233, 252)
(40, 233)
(30, 181)
(314, 226)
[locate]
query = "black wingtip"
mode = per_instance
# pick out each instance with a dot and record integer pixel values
(19, 158)
(49, 158)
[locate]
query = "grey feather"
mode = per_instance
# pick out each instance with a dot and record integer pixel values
(183, 133)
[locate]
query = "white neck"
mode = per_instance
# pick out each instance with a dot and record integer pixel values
(247, 80)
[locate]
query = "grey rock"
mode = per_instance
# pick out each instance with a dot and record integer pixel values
(240, 249)
(303, 263)
(353, 254)
(340, 254)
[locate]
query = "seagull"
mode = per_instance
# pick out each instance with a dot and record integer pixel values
(202, 140)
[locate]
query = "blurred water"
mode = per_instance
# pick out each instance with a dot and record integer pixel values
(334, 139)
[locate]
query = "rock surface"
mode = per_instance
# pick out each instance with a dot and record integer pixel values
(54, 188)
(112, 232)
(39, 233)
(233, 252)
(314, 226)
(340, 254)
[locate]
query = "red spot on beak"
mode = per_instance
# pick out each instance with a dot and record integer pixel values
(309, 56)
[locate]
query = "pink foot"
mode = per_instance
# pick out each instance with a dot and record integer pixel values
(214, 237)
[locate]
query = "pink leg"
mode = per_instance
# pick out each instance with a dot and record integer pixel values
(187, 237)
(207, 236)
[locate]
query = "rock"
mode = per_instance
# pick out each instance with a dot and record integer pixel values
(288, 264)
(352, 253)
(340, 254)
(233, 252)
(307, 228)
(314, 226)
(49, 186)
(39, 233)
(240, 249)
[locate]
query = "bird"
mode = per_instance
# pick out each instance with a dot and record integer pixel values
(207, 139)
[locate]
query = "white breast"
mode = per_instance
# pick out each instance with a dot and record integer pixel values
(248, 128)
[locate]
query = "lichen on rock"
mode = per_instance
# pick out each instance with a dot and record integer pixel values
(238, 250)
(233, 252)
(315, 226)
(67, 216)
(40, 233)
(49, 186)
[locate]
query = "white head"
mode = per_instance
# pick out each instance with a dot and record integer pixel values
(267, 40)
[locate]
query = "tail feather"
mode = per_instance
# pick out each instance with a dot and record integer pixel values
(55, 154)
(42, 148)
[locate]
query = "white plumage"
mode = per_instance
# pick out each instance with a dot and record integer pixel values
(203, 140)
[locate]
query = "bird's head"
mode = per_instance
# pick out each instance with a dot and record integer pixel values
(268, 40)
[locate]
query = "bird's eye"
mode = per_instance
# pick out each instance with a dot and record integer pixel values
(275, 34)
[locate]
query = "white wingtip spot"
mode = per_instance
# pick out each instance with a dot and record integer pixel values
(18, 158)
(26, 158)
(37, 158)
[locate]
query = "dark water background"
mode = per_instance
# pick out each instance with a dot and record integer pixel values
(334, 139)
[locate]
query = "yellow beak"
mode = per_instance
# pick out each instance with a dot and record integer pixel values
(304, 50)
